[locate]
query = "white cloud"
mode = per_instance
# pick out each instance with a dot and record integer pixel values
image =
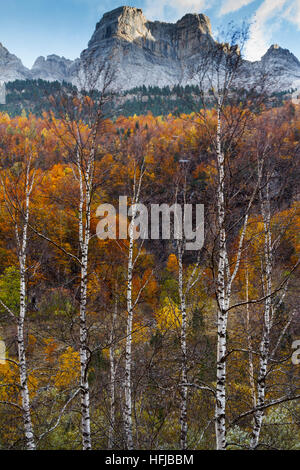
(155, 9)
(292, 13)
(229, 6)
(264, 23)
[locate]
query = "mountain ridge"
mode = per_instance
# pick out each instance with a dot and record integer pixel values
(147, 53)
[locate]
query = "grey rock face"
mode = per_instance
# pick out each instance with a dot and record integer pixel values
(149, 53)
(155, 53)
(145, 52)
(11, 68)
(281, 63)
(276, 56)
(52, 68)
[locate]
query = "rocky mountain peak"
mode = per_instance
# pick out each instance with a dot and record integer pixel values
(200, 22)
(130, 25)
(144, 52)
(11, 67)
(278, 54)
(126, 23)
(150, 51)
(52, 68)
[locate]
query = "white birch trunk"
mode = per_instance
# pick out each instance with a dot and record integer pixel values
(265, 342)
(249, 343)
(22, 247)
(224, 286)
(84, 358)
(184, 381)
(112, 379)
(30, 442)
(223, 301)
(128, 352)
(85, 183)
(130, 307)
(19, 213)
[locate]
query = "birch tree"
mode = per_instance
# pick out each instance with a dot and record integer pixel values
(17, 191)
(112, 379)
(133, 151)
(186, 281)
(269, 145)
(138, 175)
(79, 129)
(221, 73)
(270, 243)
(184, 380)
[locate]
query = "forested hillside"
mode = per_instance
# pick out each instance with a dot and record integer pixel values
(151, 383)
(150, 232)
(32, 96)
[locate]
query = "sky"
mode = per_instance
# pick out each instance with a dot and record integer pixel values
(31, 28)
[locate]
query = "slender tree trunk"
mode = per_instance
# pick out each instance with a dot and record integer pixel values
(112, 378)
(128, 353)
(84, 358)
(30, 442)
(183, 404)
(249, 343)
(265, 342)
(84, 238)
(223, 301)
(22, 247)
(220, 411)
(130, 307)
(22, 240)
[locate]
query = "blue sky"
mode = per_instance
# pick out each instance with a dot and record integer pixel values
(30, 28)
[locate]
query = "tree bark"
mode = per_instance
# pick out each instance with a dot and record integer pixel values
(22, 248)
(184, 381)
(249, 343)
(128, 352)
(223, 299)
(265, 342)
(112, 366)
(85, 185)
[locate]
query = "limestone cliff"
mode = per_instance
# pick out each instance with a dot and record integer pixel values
(11, 68)
(146, 52)
(52, 68)
(150, 53)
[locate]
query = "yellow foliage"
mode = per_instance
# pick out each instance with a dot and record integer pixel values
(31, 343)
(168, 317)
(68, 372)
(172, 264)
(50, 349)
(8, 381)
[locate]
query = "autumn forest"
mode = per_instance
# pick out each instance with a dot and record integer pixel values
(138, 343)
